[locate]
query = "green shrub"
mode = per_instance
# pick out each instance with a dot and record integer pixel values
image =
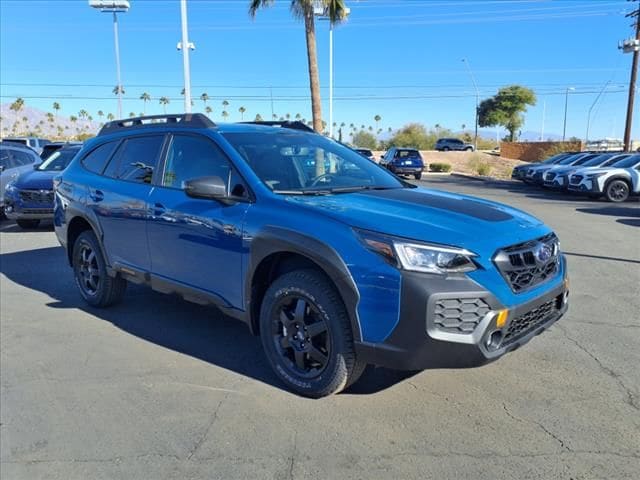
(440, 167)
(478, 166)
(484, 169)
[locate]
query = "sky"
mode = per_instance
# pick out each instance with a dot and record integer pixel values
(400, 59)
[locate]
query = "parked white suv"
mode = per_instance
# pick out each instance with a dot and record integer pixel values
(616, 182)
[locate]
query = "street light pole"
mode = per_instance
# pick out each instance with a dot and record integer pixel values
(331, 79)
(566, 104)
(185, 57)
(114, 7)
(475, 86)
(117, 45)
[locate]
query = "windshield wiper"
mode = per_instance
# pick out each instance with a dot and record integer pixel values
(359, 188)
(302, 192)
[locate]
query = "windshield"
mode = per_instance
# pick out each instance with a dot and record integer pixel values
(58, 160)
(294, 162)
(627, 162)
(593, 161)
(408, 154)
(583, 160)
(568, 160)
(555, 158)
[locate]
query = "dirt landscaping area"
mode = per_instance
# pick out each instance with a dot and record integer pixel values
(461, 162)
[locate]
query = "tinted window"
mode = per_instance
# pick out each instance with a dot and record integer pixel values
(21, 158)
(59, 160)
(408, 154)
(97, 159)
(21, 141)
(193, 157)
(136, 159)
(5, 160)
(584, 160)
(627, 162)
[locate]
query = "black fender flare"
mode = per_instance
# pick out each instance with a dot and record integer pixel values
(272, 240)
(90, 217)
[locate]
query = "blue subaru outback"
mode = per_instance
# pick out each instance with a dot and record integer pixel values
(333, 261)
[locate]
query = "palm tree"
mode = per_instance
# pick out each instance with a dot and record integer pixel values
(164, 101)
(208, 109)
(258, 118)
(304, 9)
(73, 119)
(50, 117)
(225, 104)
(463, 127)
(205, 98)
(182, 92)
(83, 114)
(56, 107)
(274, 116)
(118, 88)
(100, 114)
(110, 116)
(225, 114)
(242, 110)
(132, 114)
(377, 119)
(145, 97)
(298, 116)
(17, 105)
(288, 116)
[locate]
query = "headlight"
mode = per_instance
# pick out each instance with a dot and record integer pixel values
(419, 257)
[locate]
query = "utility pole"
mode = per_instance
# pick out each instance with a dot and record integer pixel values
(475, 86)
(628, 46)
(566, 104)
(544, 112)
(185, 56)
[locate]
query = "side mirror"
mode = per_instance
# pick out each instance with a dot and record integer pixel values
(207, 187)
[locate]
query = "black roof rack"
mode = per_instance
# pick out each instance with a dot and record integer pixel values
(182, 120)
(295, 125)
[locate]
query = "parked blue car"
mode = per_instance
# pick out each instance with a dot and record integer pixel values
(333, 261)
(29, 198)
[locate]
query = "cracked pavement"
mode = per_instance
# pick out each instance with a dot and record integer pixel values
(157, 388)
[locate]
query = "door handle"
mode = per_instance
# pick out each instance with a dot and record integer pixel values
(96, 195)
(159, 210)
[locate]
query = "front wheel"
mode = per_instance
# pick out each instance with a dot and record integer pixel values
(28, 224)
(90, 272)
(306, 334)
(418, 176)
(617, 191)
(446, 149)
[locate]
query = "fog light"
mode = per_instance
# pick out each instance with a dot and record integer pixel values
(493, 341)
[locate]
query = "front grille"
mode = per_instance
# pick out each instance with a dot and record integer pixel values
(524, 324)
(459, 315)
(529, 264)
(37, 196)
(576, 179)
(37, 211)
(550, 176)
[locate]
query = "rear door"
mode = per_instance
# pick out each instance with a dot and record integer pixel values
(119, 198)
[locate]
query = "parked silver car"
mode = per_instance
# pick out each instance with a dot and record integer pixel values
(14, 160)
(446, 144)
(34, 143)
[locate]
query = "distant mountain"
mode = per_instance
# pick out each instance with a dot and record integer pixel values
(36, 122)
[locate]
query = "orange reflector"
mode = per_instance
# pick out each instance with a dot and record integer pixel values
(501, 319)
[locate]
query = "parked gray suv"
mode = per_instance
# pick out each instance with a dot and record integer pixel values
(446, 144)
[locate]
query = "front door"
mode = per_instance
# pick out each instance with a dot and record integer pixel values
(197, 243)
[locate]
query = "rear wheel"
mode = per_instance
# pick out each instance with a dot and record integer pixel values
(28, 224)
(90, 271)
(617, 191)
(306, 334)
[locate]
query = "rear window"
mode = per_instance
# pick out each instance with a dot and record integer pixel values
(136, 159)
(97, 160)
(21, 141)
(408, 154)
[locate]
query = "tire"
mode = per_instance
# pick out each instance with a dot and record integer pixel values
(306, 334)
(468, 149)
(445, 149)
(28, 224)
(90, 272)
(417, 176)
(617, 191)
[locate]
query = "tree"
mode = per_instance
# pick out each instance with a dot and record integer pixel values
(506, 108)
(225, 114)
(83, 114)
(164, 101)
(110, 116)
(50, 117)
(413, 135)
(208, 110)
(377, 119)
(17, 105)
(56, 107)
(73, 119)
(100, 114)
(118, 89)
(145, 97)
(258, 118)
(132, 114)
(205, 98)
(274, 116)
(304, 10)
(288, 116)
(225, 104)
(365, 139)
(242, 110)
(298, 116)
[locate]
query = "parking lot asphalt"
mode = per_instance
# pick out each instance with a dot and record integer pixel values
(159, 388)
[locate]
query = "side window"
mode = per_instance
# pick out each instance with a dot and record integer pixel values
(98, 157)
(191, 157)
(6, 161)
(136, 159)
(22, 158)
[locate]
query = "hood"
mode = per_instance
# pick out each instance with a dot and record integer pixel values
(592, 171)
(565, 169)
(430, 216)
(36, 180)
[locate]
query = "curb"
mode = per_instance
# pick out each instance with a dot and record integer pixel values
(481, 178)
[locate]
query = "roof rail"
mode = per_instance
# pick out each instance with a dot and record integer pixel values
(295, 125)
(182, 120)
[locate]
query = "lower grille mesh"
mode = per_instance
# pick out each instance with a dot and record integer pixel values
(524, 324)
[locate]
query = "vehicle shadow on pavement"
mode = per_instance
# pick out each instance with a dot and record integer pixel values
(198, 331)
(628, 215)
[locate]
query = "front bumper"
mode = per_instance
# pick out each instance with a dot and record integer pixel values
(420, 341)
(15, 211)
(558, 183)
(587, 185)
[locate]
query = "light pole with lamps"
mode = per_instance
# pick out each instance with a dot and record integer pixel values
(566, 104)
(475, 86)
(115, 7)
(185, 45)
(322, 14)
